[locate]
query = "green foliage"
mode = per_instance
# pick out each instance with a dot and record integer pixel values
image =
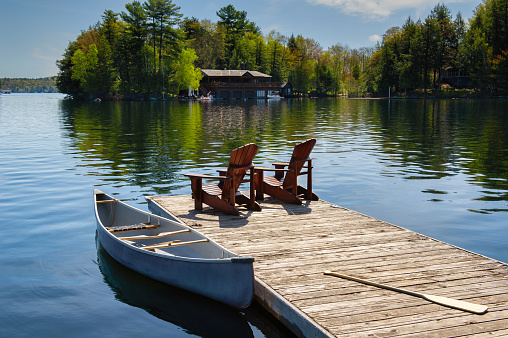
(418, 55)
(324, 77)
(125, 54)
(162, 16)
(501, 71)
(485, 46)
(235, 25)
(25, 85)
(84, 67)
(275, 56)
(476, 57)
(208, 40)
(149, 49)
(185, 73)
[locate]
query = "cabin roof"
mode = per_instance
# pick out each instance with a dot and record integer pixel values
(233, 73)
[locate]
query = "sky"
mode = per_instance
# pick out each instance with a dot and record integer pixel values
(35, 33)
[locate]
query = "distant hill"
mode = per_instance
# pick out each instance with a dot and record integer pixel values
(26, 85)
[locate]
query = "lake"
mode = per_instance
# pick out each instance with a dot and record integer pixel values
(438, 167)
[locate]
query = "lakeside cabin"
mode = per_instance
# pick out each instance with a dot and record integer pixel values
(239, 84)
(456, 78)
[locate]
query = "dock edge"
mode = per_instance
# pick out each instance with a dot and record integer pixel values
(285, 312)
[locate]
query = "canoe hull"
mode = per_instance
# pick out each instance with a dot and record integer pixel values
(228, 280)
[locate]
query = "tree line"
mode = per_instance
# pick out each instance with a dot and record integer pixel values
(26, 85)
(421, 54)
(151, 50)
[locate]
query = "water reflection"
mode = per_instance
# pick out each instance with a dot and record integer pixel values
(436, 167)
(196, 314)
(440, 138)
(149, 144)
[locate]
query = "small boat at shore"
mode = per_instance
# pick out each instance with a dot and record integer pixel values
(273, 96)
(204, 98)
(173, 253)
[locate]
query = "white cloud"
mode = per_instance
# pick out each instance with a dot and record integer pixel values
(39, 53)
(375, 38)
(45, 55)
(377, 9)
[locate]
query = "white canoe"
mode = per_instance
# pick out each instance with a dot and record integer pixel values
(173, 253)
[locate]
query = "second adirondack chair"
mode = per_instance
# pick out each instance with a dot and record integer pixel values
(224, 196)
(284, 184)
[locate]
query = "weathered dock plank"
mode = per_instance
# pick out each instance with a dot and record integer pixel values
(293, 245)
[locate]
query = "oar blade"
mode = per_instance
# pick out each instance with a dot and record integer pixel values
(454, 303)
(457, 304)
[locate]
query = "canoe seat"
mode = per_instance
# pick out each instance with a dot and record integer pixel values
(160, 245)
(132, 227)
(107, 201)
(161, 235)
(173, 243)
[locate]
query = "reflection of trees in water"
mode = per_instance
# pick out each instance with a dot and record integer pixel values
(142, 143)
(440, 138)
(151, 143)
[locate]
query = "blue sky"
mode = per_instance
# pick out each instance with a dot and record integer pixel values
(35, 33)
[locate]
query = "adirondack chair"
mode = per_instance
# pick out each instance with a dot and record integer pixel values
(225, 195)
(284, 184)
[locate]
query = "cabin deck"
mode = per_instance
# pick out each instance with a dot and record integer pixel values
(293, 245)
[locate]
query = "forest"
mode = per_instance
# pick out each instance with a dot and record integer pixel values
(151, 50)
(26, 85)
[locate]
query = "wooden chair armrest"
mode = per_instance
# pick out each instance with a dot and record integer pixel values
(210, 177)
(284, 164)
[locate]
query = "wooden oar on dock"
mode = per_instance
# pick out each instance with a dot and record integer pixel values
(454, 303)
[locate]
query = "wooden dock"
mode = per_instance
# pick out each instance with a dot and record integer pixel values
(293, 245)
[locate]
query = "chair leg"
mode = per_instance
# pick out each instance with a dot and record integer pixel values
(251, 204)
(232, 191)
(252, 188)
(294, 184)
(197, 192)
(305, 192)
(308, 195)
(279, 175)
(260, 194)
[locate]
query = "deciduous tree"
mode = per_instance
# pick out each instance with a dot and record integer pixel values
(185, 74)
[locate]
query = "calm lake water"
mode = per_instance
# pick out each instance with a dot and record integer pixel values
(436, 167)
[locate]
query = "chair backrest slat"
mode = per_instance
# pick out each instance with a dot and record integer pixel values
(240, 157)
(300, 154)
